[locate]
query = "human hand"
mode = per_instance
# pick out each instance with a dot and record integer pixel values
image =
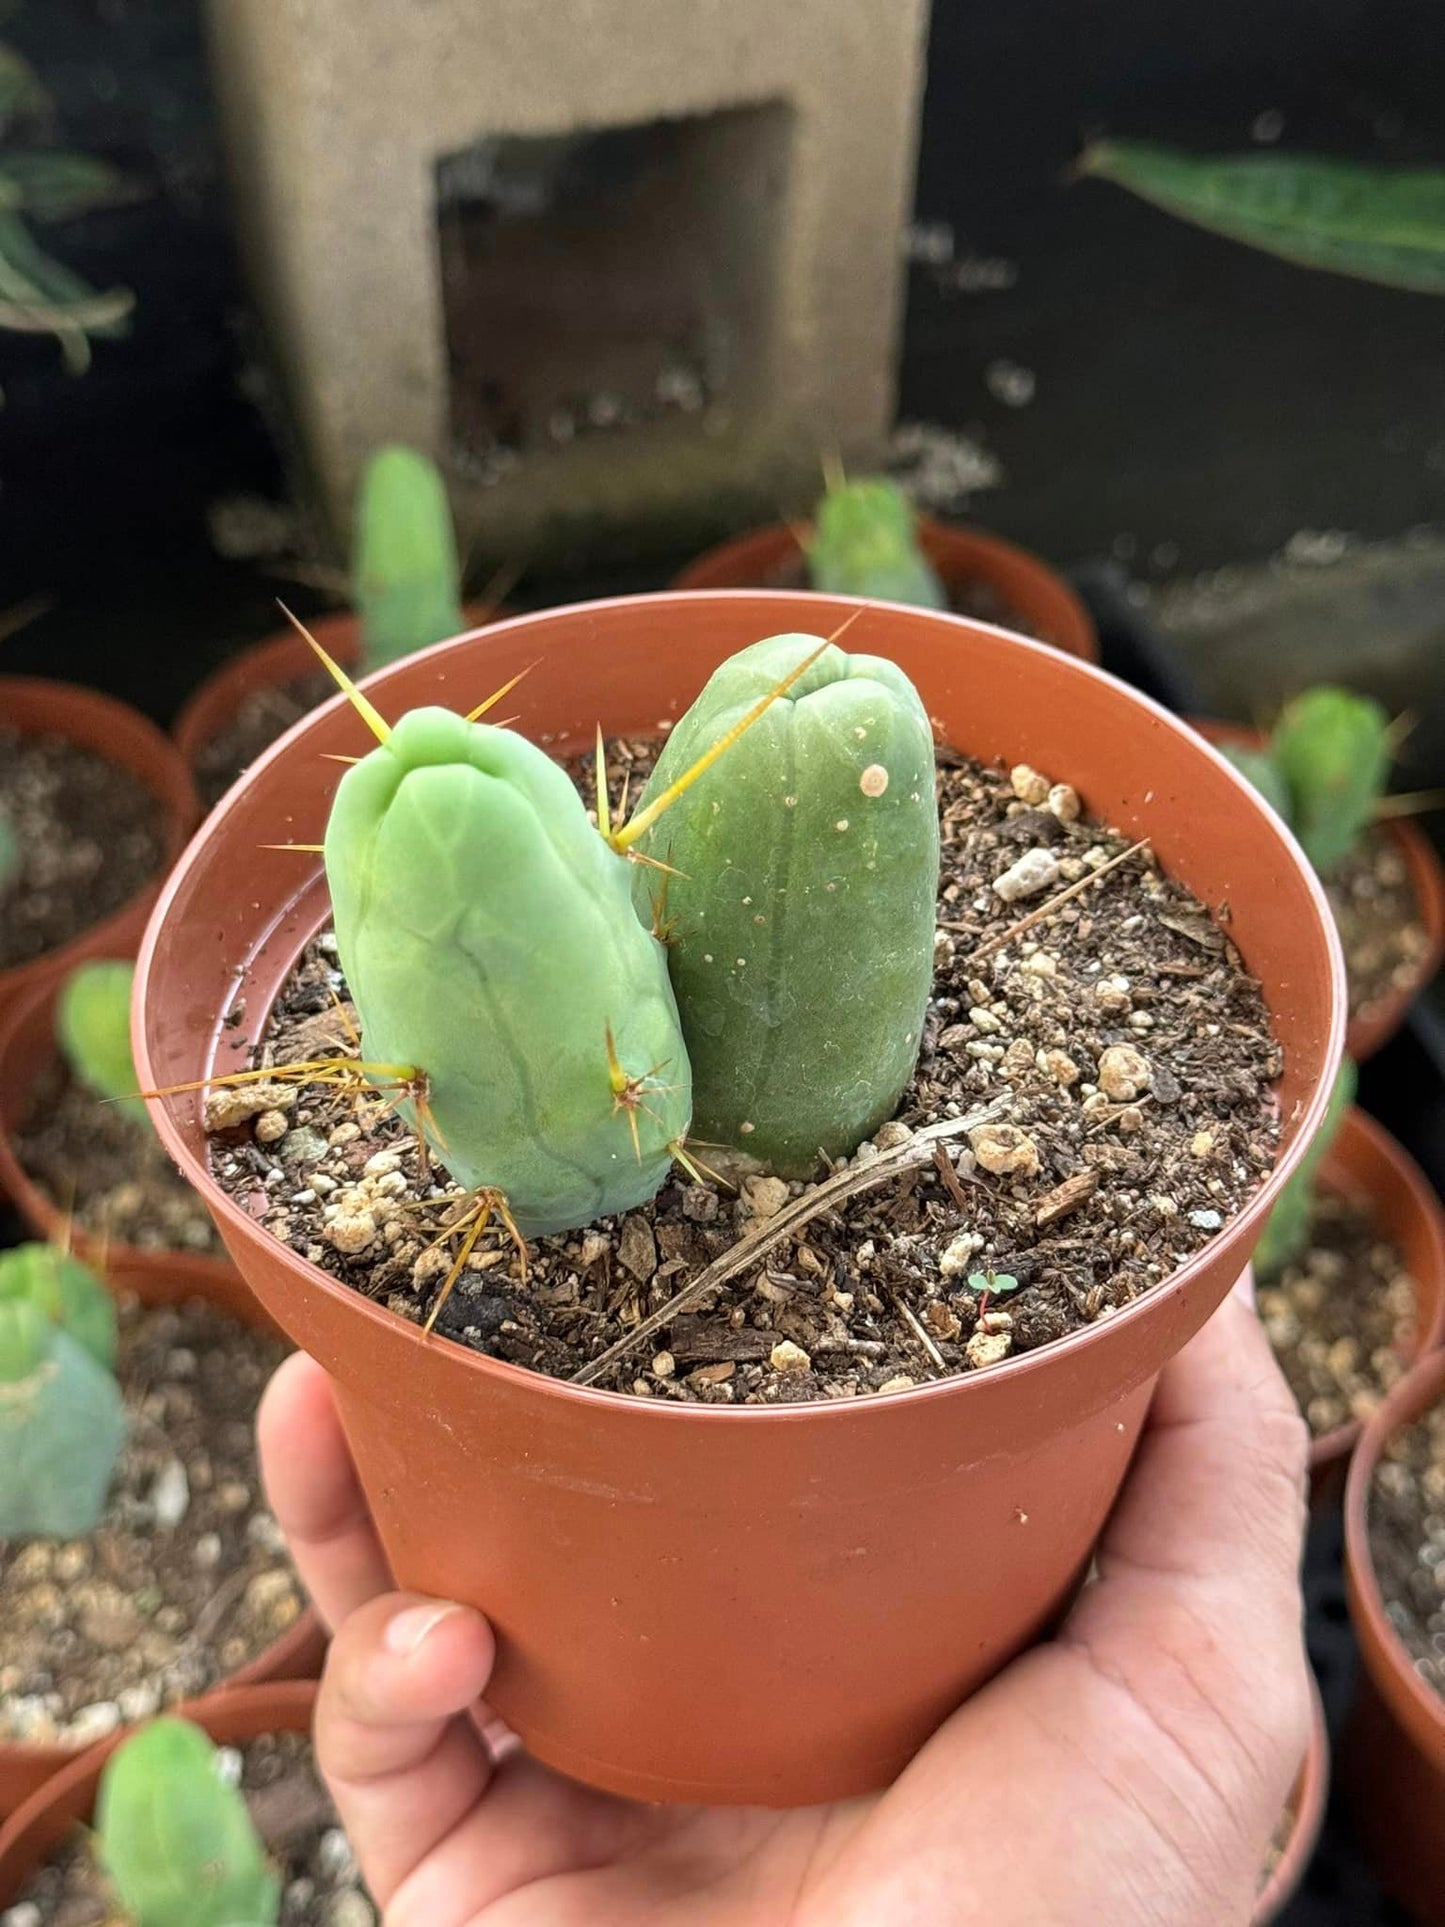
(1132, 1769)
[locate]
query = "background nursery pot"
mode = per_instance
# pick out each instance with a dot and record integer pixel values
(296, 1655)
(1307, 1813)
(1366, 1163)
(1393, 1756)
(836, 1577)
(27, 1047)
(1375, 1024)
(39, 708)
(231, 1718)
(1023, 583)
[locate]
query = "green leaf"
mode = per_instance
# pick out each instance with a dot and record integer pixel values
(1385, 225)
(64, 1291)
(995, 1283)
(51, 184)
(406, 580)
(21, 94)
(1332, 748)
(1286, 1229)
(178, 1843)
(39, 295)
(92, 1027)
(1260, 768)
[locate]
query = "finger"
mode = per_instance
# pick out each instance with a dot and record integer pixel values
(402, 1759)
(313, 1491)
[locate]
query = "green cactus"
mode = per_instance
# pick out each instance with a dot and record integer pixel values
(1287, 1227)
(92, 1027)
(1332, 748)
(405, 577)
(489, 941)
(865, 543)
(1258, 767)
(61, 1417)
(802, 949)
(177, 1841)
(9, 856)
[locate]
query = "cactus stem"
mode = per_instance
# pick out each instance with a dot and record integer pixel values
(476, 715)
(365, 709)
(477, 1216)
(622, 839)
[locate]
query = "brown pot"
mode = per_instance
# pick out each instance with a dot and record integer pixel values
(1393, 1757)
(39, 1828)
(1377, 1023)
(271, 664)
(1035, 592)
(1307, 1814)
(296, 1655)
(84, 716)
(27, 1048)
(834, 1577)
(1365, 1163)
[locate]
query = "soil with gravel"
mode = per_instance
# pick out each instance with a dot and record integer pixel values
(90, 836)
(263, 716)
(1378, 917)
(294, 1816)
(186, 1578)
(1341, 1318)
(107, 1170)
(1407, 1541)
(1113, 1060)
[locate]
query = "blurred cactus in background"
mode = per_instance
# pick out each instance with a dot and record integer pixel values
(406, 580)
(1286, 1230)
(1324, 770)
(92, 1027)
(865, 543)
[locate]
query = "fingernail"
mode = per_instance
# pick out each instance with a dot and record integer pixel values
(408, 1632)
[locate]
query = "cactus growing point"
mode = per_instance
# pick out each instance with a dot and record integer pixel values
(178, 1842)
(802, 949)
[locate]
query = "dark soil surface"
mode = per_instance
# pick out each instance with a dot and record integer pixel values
(1407, 1541)
(293, 1815)
(262, 717)
(91, 835)
(976, 598)
(1123, 1061)
(1341, 1318)
(107, 1170)
(1379, 921)
(186, 1578)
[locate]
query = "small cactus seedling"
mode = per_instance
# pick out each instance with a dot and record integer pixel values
(92, 1027)
(865, 543)
(1287, 1227)
(177, 1840)
(1324, 770)
(405, 575)
(802, 911)
(61, 1418)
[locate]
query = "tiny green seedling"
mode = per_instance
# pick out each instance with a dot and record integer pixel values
(992, 1284)
(61, 1418)
(1286, 1230)
(178, 1841)
(865, 543)
(92, 1027)
(1324, 770)
(406, 580)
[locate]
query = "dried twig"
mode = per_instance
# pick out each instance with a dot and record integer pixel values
(915, 1325)
(911, 1155)
(1054, 903)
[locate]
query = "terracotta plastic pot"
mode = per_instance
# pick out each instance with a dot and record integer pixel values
(1377, 1023)
(40, 708)
(830, 1579)
(296, 1655)
(1366, 1164)
(36, 1830)
(27, 1048)
(1022, 582)
(1307, 1816)
(271, 664)
(1393, 1757)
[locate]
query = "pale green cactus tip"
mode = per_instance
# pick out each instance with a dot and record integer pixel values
(92, 1027)
(406, 580)
(1286, 1229)
(801, 912)
(1333, 749)
(865, 543)
(177, 1839)
(61, 1416)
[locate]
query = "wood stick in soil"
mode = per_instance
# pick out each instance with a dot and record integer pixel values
(1056, 902)
(912, 1155)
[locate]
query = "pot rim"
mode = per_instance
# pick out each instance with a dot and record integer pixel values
(1312, 1787)
(1410, 1700)
(1247, 1220)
